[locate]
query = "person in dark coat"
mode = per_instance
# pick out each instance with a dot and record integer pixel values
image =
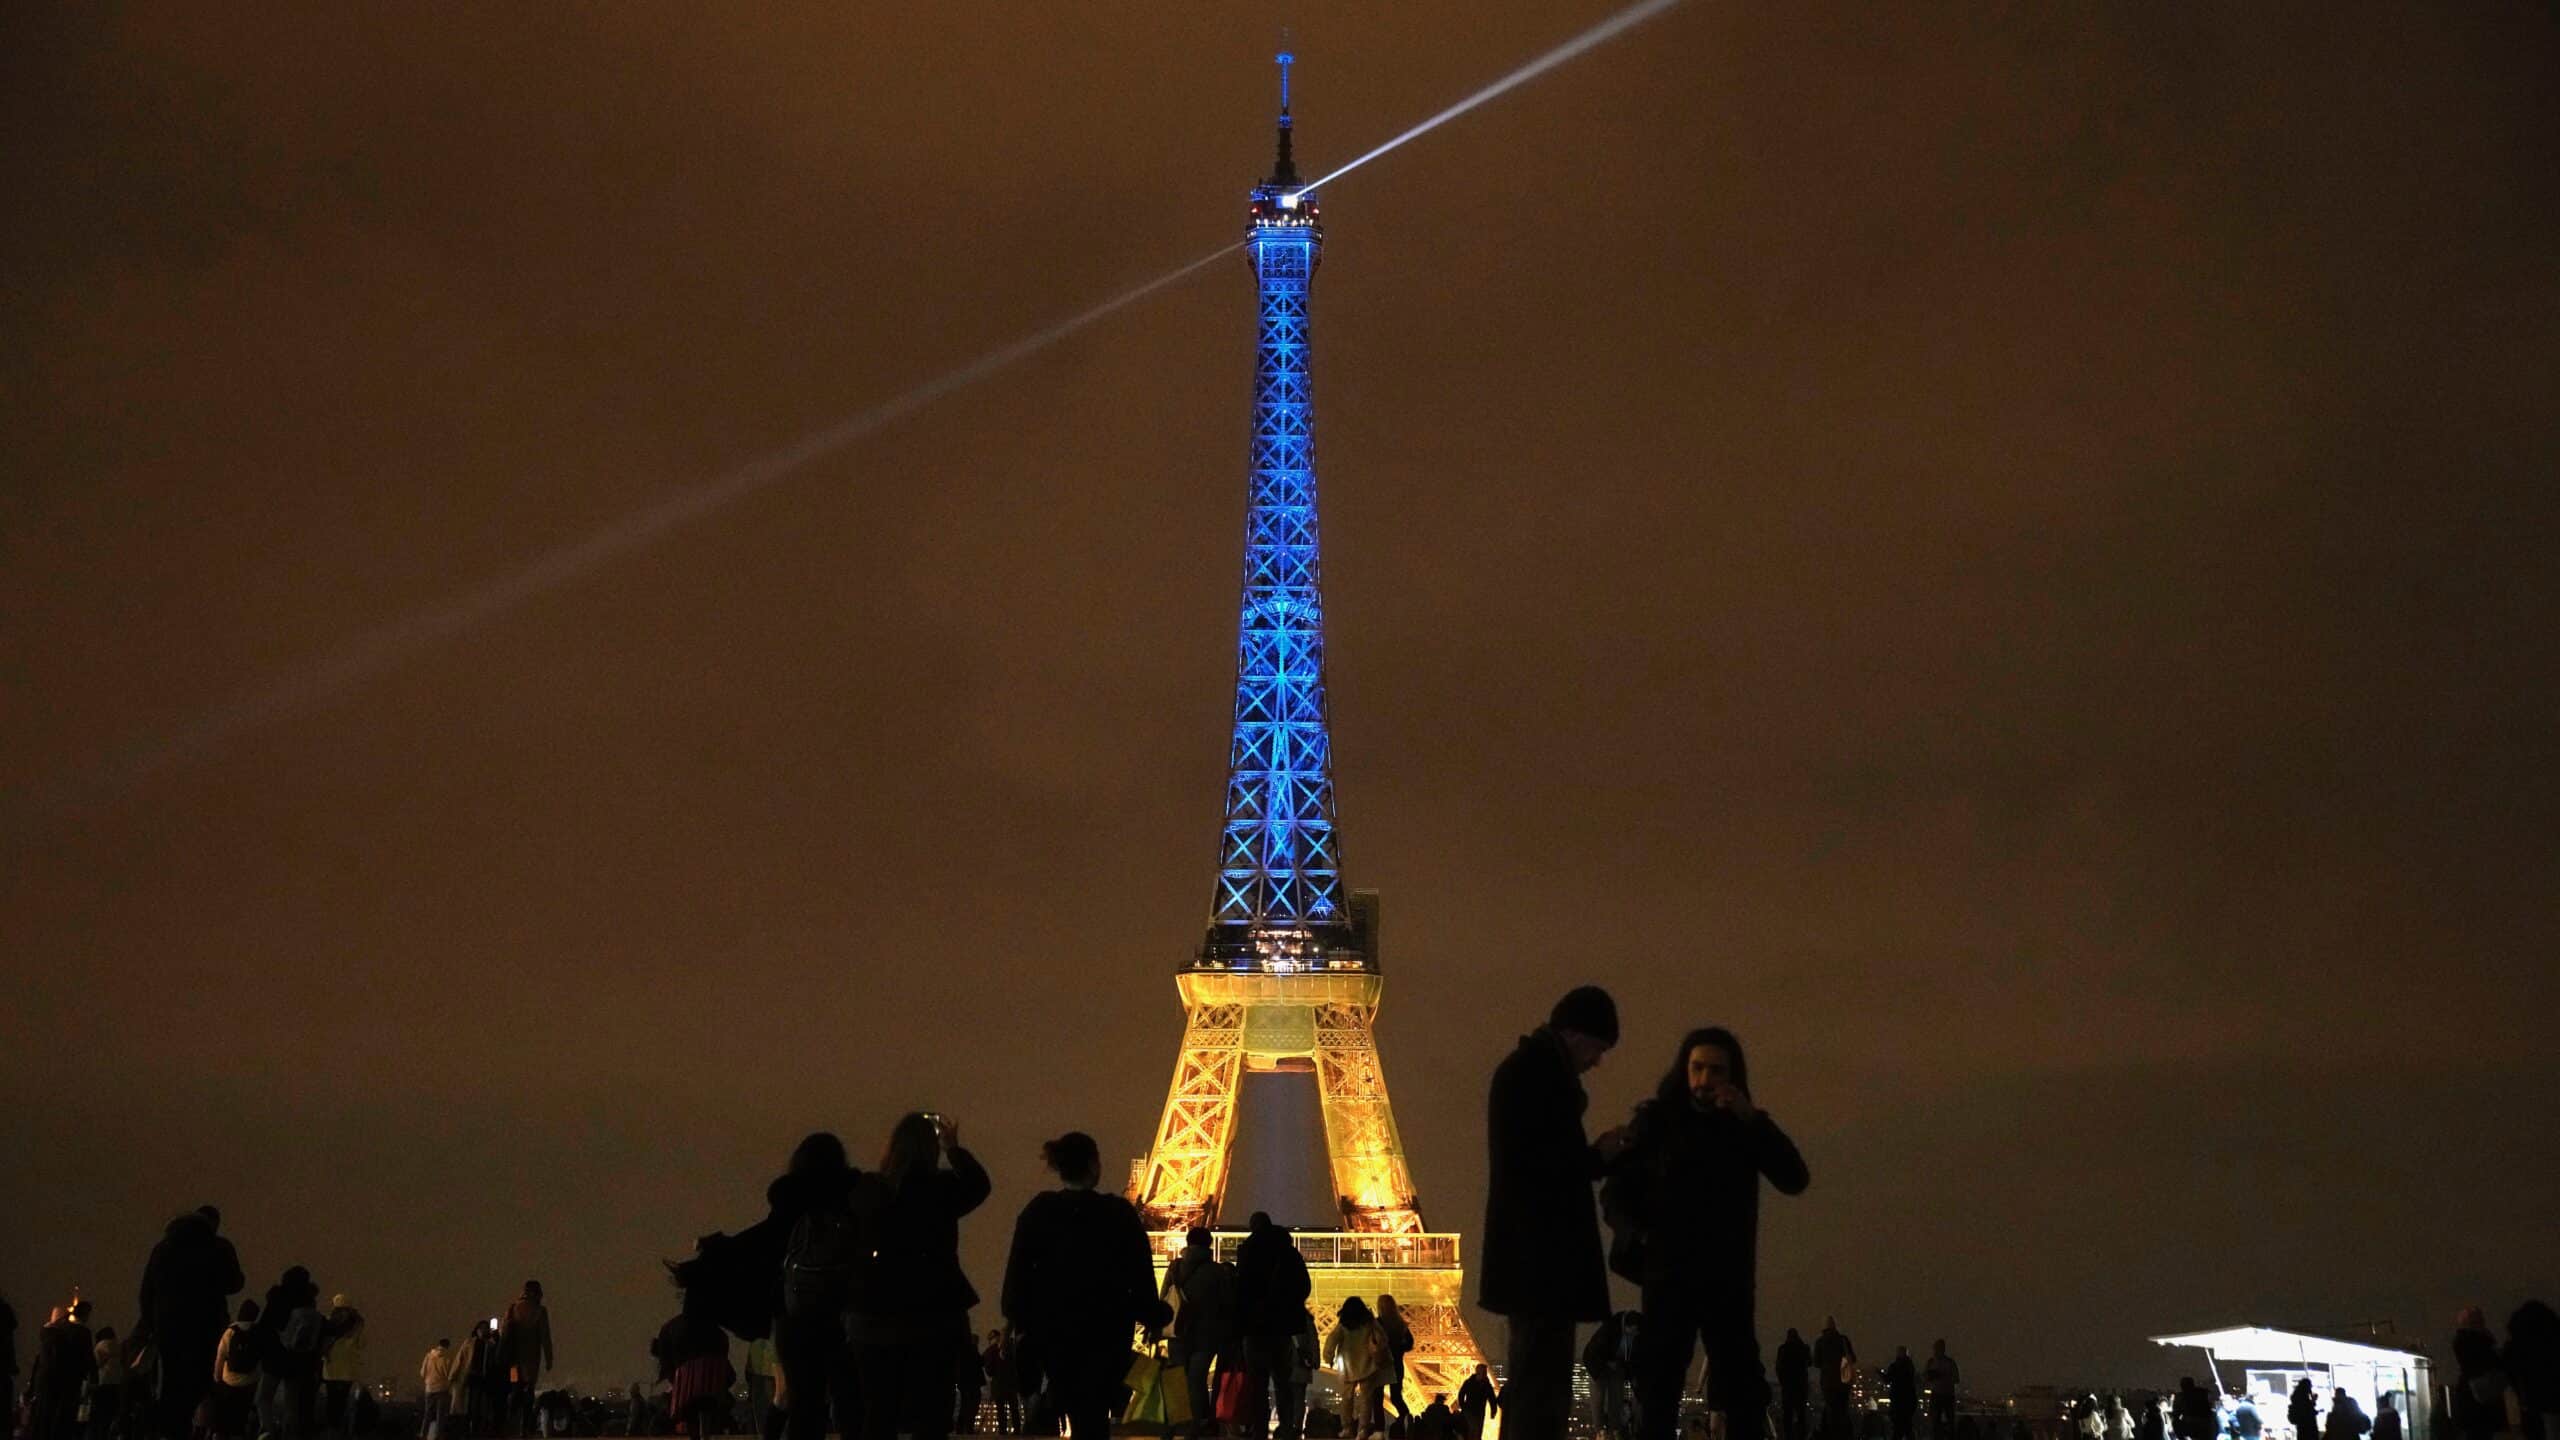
(1078, 1278)
(911, 1299)
(741, 1282)
(1901, 1392)
(2532, 1362)
(1689, 1180)
(1795, 1376)
(2303, 1412)
(1272, 1287)
(187, 1285)
(1476, 1400)
(1835, 1362)
(65, 1359)
(1205, 1332)
(1542, 1268)
(2480, 1378)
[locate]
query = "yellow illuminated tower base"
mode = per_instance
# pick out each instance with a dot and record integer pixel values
(1322, 1021)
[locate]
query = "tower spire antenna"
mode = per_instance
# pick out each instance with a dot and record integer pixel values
(1284, 171)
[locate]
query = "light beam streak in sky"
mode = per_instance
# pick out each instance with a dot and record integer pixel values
(381, 648)
(1601, 33)
(387, 645)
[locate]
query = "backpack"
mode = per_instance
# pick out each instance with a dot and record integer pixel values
(818, 1264)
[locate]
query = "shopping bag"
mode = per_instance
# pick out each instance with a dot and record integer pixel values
(1231, 1397)
(1159, 1395)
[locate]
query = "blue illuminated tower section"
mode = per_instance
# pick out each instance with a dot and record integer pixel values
(1280, 900)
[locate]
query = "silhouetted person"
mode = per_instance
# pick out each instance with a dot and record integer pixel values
(911, 1302)
(1835, 1365)
(1435, 1422)
(2191, 1415)
(2303, 1412)
(2479, 1386)
(341, 1365)
(1542, 1267)
(461, 1383)
(437, 1401)
(2146, 1418)
(1942, 1378)
(108, 1376)
(487, 1387)
(1395, 1341)
(1271, 1307)
(1795, 1381)
(187, 1285)
(794, 1270)
(2386, 1420)
(693, 1363)
(1360, 1350)
(1078, 1277)
(231, 1405)
(1690, 1179)
(1476, 1400)
(66, 1356)
(2532, 1362)
(1204, 1320)
(525, 1335)
(2347, 1419)
(292, 1361)
(1004, 1382)
(1902, 1392)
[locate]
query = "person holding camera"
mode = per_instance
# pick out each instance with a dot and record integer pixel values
(910, 1297)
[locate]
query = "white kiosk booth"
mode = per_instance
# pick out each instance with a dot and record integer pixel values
(2257, 1367)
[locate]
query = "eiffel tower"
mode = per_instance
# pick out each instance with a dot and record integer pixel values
(1287, 978)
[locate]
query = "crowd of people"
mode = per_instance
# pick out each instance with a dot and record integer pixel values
(855, 1311)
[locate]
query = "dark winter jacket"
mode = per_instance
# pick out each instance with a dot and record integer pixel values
(1541, 1254)
(1794, 1359)
(1080, 1266)
(66, 1357)
(913, 1281)
(1271, 1284)
(1691, 1179)
(1205, 1322)
(187, 1286)
(1832, 1352)
(736, 1280)
(2532, 1356)
(1901, 1383)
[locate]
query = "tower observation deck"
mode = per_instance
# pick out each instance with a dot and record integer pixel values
(1287, 977)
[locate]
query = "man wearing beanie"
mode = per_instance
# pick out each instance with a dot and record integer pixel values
(1542, 1268)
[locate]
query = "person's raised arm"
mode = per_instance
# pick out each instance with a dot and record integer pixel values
(970, 1186)
(1778, 1157)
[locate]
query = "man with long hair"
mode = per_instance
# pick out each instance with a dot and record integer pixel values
(1690, 1179)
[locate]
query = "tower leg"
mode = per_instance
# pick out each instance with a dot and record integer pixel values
(1370, 1178)
(1186, 1172)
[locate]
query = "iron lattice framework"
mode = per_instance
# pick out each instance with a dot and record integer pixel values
(1287, 977)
